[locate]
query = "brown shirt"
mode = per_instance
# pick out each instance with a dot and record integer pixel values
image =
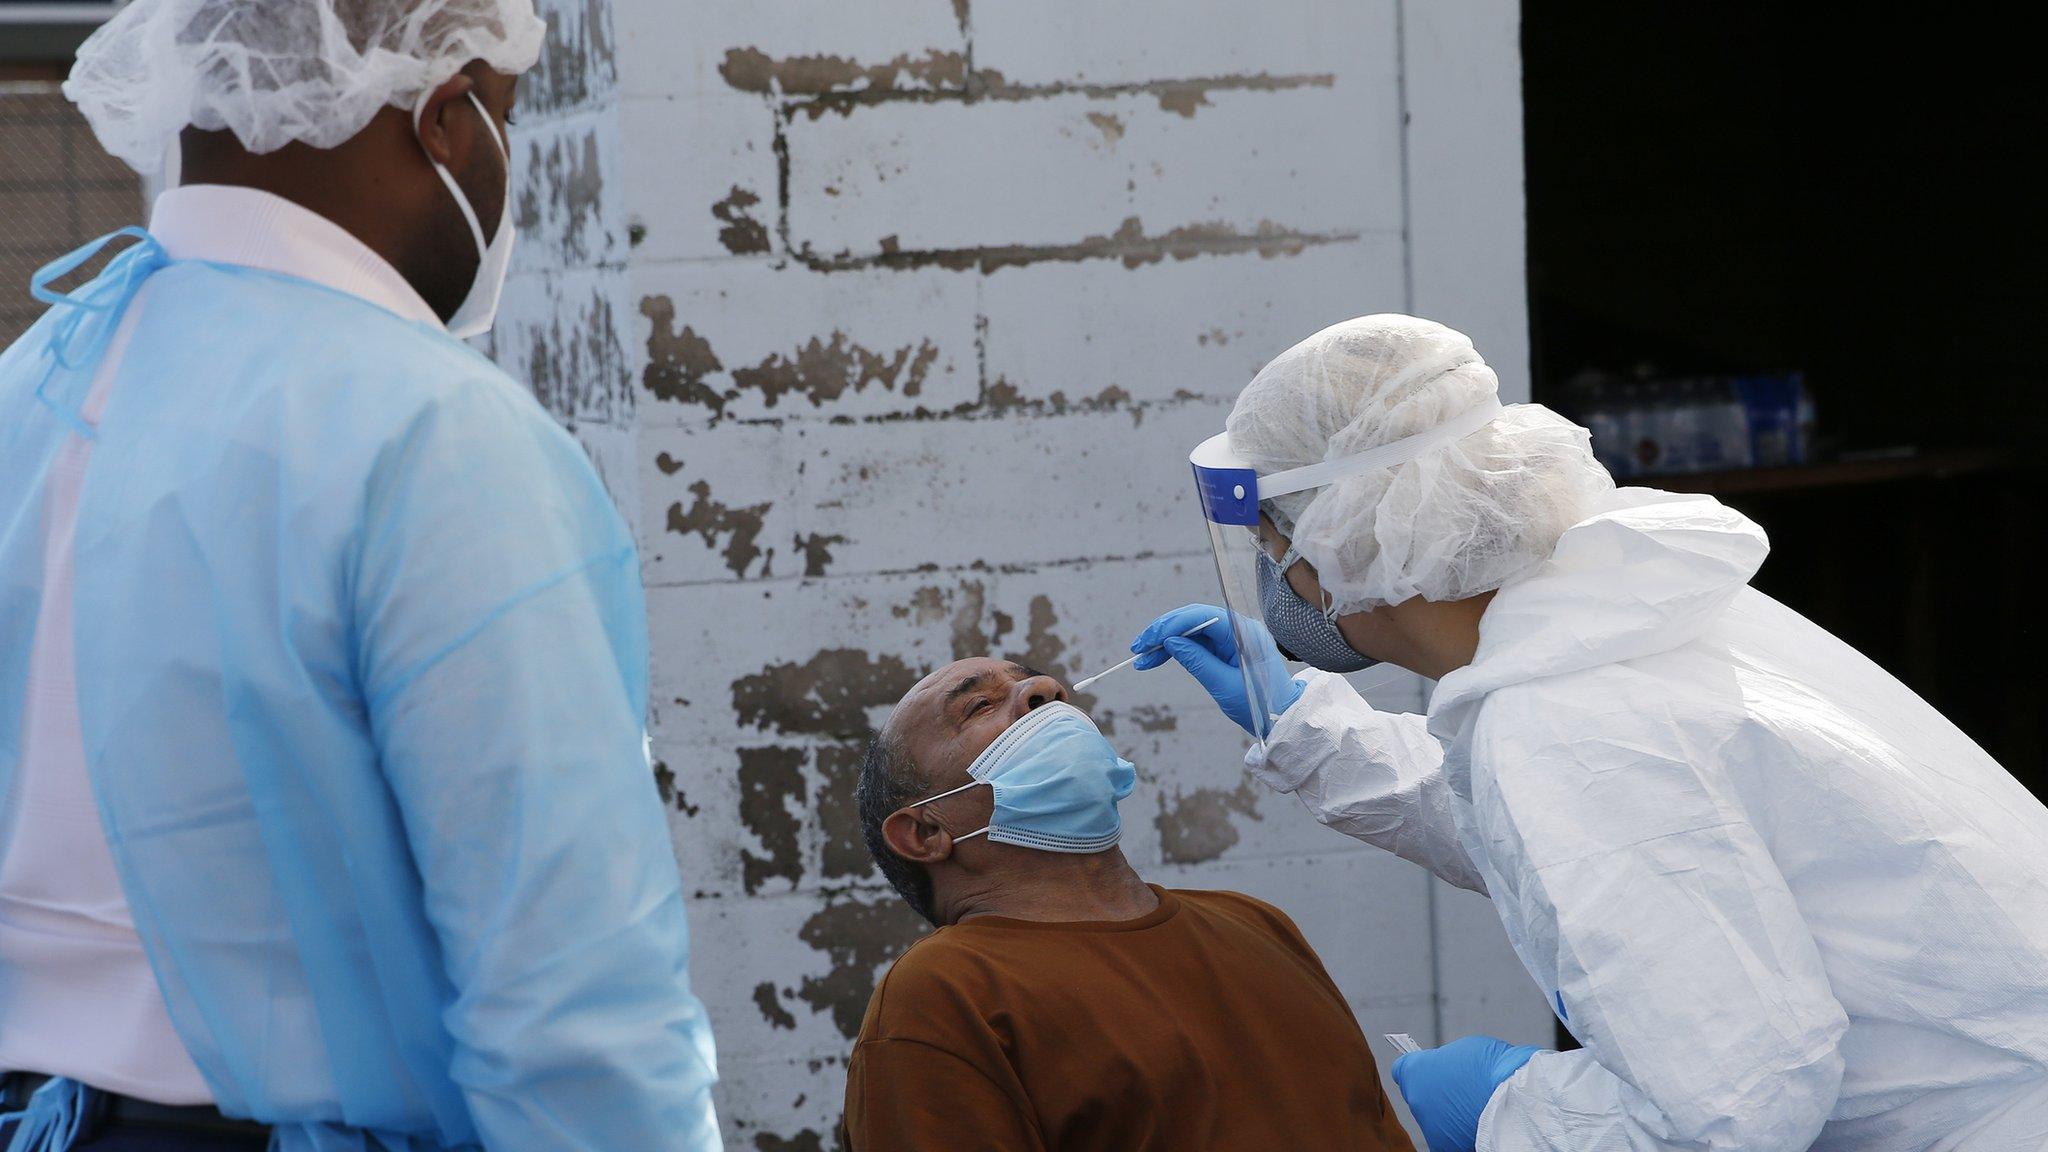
(1206, 1024)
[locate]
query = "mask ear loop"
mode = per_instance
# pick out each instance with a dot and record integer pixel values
(476, 230)
(955, 792)
(1293, 557)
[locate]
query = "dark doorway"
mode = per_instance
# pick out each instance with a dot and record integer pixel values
(1847, 194)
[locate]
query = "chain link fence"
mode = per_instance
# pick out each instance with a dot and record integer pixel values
(58, 189)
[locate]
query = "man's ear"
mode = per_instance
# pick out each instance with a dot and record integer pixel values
(444, 129)
(916, 837)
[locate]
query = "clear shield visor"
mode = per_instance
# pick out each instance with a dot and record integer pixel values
(1229, 494)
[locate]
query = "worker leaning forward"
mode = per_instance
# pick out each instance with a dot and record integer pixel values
(1781, 900)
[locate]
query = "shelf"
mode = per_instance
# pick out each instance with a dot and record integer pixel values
(1808, 477)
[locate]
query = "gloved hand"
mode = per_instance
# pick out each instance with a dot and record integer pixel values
(1211, 655)
(1447, 1088)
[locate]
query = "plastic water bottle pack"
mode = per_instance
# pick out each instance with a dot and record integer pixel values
(1653, 426)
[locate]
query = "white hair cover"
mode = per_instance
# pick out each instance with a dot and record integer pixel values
(1464, 518)
(275, 71)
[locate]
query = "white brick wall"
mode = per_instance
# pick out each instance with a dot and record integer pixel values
(890, 326)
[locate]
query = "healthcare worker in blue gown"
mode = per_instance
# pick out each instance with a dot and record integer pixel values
(1781, 901)
(328, 821)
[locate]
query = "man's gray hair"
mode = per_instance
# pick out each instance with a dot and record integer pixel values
(888, 781)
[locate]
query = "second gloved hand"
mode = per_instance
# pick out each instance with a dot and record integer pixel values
(1448, 1088)
(1211, 655)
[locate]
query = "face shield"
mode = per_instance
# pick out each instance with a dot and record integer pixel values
(1231, 491)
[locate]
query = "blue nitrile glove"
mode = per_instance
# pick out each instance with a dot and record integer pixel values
(1211, 656)
(1447, 1088)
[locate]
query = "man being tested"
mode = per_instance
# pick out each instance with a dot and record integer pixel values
(1064, 1003)
(322, 658)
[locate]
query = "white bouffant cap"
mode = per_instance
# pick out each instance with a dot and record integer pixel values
(1463, 518)
(275, 71)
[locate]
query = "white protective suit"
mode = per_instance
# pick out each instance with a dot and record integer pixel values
(1781, 901)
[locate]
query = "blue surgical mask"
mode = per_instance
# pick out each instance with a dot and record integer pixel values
(1302, 630)
(1057, 783)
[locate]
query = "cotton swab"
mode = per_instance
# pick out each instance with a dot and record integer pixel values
(1082, 685)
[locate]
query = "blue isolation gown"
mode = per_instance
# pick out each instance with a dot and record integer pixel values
(361, 666)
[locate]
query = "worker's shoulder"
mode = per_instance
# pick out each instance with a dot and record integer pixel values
(324, 336)
(1661, 702)
(395, 405)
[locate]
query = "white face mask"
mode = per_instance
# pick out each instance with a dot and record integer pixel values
(480, 308)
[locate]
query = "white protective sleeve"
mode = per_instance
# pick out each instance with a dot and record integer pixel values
(1374, 776)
